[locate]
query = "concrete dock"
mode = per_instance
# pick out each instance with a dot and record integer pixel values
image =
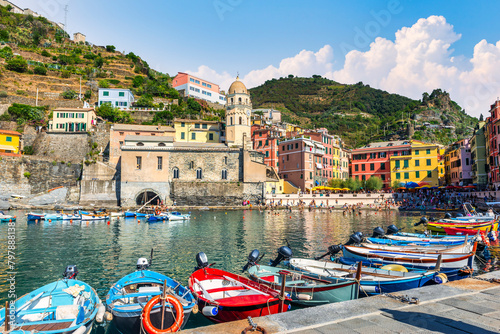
(466, 306)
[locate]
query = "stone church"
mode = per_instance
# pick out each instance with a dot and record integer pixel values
(206, 174)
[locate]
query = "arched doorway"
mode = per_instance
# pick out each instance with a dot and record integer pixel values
(146, 196)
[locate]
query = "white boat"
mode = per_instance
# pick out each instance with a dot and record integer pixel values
(94, 217)
(117, 214)
(6, 218)
(466, 247)
(177, 215)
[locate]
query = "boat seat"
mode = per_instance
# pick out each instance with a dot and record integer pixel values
(67, 312)
(226, 288)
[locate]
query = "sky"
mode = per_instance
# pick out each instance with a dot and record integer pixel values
(404, 47)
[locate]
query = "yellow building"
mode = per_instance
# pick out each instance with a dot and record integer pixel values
(10, 142)
(441, 165)
(72, 119)
(197, 131)
(417, 164)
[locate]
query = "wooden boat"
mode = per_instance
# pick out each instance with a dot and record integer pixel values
(465, 247)
(64, 306)
(129, 214)
(117, 214)
(421, 242)
(130, 296)
(447, 209)
(224, 296)
(439, 227)
(463, 231)
(93, 217)
(419, 236)
(304, 290)
(417, 259)
(159, 217)
(174, 215)
(373, 280)
(36, 216)
(6, 218)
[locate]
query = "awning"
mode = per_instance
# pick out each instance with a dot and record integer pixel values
(319, 166)
(8, 148)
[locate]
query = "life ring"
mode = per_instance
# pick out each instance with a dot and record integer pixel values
(146, 315)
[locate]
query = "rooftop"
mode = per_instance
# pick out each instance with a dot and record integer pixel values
(154, 139)
(9, 132)
(74, 109)
(194, 121)
(145, 128)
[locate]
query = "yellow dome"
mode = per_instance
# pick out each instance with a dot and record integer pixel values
(237, 87)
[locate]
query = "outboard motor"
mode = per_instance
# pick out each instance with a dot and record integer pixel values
(392, 229)
(284, 253)
(70, 272)
(459, 215)
(423, 221)
(447, 215)
(253, 257)
(332, 251)
(355, 238)
(378, 232)
(142, 264)
(201, 261)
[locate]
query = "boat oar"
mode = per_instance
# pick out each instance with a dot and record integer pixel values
(282, 292)
(245, 286)
(151, 257)
(163, 298)
(205, 292)
(438, 263)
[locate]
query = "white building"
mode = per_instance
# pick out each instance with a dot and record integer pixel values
(192, 86)
(118, 97)
(270, 115)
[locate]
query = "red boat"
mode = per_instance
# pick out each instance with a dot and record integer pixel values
(224, 296)
(459, 231)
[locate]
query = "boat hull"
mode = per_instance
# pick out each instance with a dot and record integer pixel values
(130, 322)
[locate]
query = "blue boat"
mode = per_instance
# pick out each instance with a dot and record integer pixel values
(434, 242)
(64, 306)
(36, 216)
(6, 218)
(129, 214)
(139, 291)
(157, 218)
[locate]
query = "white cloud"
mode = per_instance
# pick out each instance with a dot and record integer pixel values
(418, 60)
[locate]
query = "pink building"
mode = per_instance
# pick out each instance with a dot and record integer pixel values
(192, 86)
(493, 144)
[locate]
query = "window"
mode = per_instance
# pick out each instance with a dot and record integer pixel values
(160, 163)
(161, 144)
(417, 152)
(191, 165)
(428, 151)
(176, 172)
(287, 158)
(197, 126)
(183, 135)
(405, 163)
(225, 160)
(372, 166)
(199, 174)
(139, 162)
(9, 139)
(105, 93)
(121, 94)
(356, 168)
(311, 175)
(210, 136)
(382, 177)
(230, 120)
(417, 163)
(140, 144)
(417, 174)
(407, 175)
(398, 163)
(382, 165)
(224, 174)
(428, 162)
(193, 136)
(363, 178)
(204, 126)
(429, 173)
(296, 145)
(183, 124)
(363, 167)
(241, 121)
(267, 154)
(122, 133)
(398, 176)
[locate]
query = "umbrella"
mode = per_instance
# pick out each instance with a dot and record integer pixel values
(423, 183)
(425, 186)
(418, 188)
(470, 187)
(401, 188)
(449, 187)
(411, 184)
(434, 187)
(442, 187)
(346, 189)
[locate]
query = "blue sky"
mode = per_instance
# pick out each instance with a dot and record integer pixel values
(218, 38)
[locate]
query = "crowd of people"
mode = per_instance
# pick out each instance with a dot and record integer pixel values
(438, 200)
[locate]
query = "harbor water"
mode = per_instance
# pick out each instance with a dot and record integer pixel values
(106, 252)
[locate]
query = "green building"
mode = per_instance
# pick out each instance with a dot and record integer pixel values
(478, 157)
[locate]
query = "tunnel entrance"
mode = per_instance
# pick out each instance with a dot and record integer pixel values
(147, 196)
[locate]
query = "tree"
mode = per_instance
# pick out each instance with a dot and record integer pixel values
(98, 62)
(138, 81)
(145, 101)
(69, 94)
(26, 112)
(45, 53)
(193, 106)
(40, 70)
(396, 184)
(374, 183)
(112, 114)
(163, 117)
(110, 48)
(4, 35)
(103, 83)
(17, 64)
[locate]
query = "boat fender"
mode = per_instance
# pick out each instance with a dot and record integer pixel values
(370, 288)
(80, 330)
(101, 309)
(210, 311)
(179, 315)
(441, 278)
(108, 316)
(303, 296)
(195, 309)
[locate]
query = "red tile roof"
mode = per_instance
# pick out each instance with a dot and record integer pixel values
(9, 132)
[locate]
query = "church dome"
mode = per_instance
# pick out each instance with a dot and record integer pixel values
(237, 87)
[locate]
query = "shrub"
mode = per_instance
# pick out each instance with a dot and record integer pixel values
(88, 94)
(110, 48)
(25, 112)
(6, 53)
(21, 92)
(40, 70)
(69, 94)
(103, 83)
(17, 64)
(65, 74)
(90, 56)
(28, 150)
(27, 175)
(4, 35)
(114, 81)
(98, 62)
(3, 94)
(54, 163)
(45, 53)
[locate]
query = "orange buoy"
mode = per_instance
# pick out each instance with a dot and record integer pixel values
(146, 315)
(109, 222)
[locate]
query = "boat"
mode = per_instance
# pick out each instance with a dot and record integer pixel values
(224, 296)
(387, 279)
(134, 301)
(421, 242)
(304, 290)
(129, 214)
(88, 217)
(6, 218)
(117, 214)
(174, 215)
(439, 226)
(465, 247)
(65, 306)
(36, 216)
(417, 259)
(447, 209)
(53, 216)
(461, 231)
(158, 217)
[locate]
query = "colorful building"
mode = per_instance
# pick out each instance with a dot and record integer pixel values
(238, 115)
(119, 132)
(478, 157)
(72, 120)
(191, 86)
(493, 143)
(118, 97)
(10, 142)
(458, 164)
(197, 131)
(417, 163)
(266, 140)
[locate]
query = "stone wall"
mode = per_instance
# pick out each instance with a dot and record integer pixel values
(100, 136)
(215, 194)
(67, 147)
(43, 175)
(52, 103)
(99, 185)
(29, 135)
(141, 116)
(129, 191)
(7, 125)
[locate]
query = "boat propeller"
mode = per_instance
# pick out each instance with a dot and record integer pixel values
(253, 259)
(423, 221)
(70, 272)
(284, 253)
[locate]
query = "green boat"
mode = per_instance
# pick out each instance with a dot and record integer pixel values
(303, 289)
